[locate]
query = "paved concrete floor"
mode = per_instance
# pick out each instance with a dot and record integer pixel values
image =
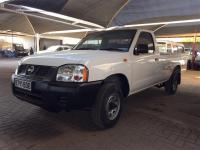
(151, 120)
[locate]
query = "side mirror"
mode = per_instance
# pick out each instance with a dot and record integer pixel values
(141, 49)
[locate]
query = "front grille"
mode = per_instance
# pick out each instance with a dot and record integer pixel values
(37, 71)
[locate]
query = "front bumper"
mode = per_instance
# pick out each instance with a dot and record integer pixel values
(51, 94)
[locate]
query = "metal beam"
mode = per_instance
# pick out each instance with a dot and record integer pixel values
(18, 11)
(163, 23)
(63, 17)
(30, 24)
(115, 15)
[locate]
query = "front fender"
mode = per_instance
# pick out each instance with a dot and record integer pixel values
(102, 71)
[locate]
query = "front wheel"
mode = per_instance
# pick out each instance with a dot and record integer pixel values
(171, 85)
(108, 105)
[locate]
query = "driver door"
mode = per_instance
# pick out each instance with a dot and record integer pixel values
(145, 66)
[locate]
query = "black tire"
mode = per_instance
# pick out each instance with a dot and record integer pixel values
(101, 109)
(171, 85)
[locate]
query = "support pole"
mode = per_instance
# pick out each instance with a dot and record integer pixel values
(37, 42)
(12, 40)
(194, 51)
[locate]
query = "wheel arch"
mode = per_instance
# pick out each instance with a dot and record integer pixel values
(178, 68)
(124, 83)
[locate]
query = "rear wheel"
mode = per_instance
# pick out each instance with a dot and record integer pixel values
(171, 85)
(108, 105)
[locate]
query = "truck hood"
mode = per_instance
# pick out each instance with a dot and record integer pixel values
(73, 57)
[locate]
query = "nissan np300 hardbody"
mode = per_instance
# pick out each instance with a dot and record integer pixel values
(98, 73)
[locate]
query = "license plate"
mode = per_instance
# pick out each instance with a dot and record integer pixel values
(22, 84)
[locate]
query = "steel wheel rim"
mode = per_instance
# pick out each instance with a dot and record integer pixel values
(113, 106)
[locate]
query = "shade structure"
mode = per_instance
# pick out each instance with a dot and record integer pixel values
(124, 12)
(186, 29)
(146, 11)
(97, 11)
(158, 11)
(29, 25)
(30, 20)
(109, 13)
(14, 22)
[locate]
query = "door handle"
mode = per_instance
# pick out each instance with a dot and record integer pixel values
(156, 59)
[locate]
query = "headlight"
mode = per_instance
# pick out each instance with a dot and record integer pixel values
(72, 73)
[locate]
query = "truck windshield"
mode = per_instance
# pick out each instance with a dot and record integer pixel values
(117, 40)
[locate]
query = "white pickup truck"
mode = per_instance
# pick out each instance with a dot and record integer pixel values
(99, 73)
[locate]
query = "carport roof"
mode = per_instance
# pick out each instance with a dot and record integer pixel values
(108, 13)
(186, 29)
(132, 11)
(97, 11)
(29, 25)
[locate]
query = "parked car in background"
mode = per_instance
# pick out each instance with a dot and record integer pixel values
(55, 48)
(196, 64)
(9, 53)
(97, 74)
(20, 51)
(13, 50)
(188, 50)
(175, 50)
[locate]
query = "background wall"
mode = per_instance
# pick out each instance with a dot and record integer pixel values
(27, 41)
(45, 43)
(189, 45)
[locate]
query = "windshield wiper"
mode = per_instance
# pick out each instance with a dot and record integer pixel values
(112, 49)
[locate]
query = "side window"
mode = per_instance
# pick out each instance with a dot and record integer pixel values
(145, 44)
